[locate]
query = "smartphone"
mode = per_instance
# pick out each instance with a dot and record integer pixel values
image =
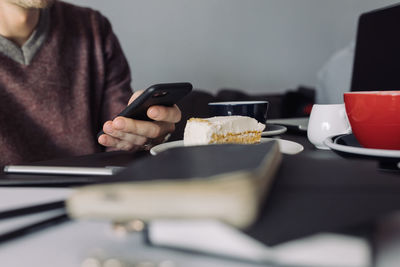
(164, 94)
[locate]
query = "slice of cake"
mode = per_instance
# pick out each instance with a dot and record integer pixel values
(221, 130)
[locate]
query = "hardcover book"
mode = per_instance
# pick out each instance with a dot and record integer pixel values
(224, 182)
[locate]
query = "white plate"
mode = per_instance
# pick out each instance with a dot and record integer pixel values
(347, 146)
(274, 129)
(286, 146)
(352, 147)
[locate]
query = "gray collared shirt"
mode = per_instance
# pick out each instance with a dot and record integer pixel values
(25, 54)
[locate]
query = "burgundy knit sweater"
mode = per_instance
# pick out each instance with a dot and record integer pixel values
(78, 79)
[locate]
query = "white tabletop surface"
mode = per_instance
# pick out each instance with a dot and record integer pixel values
(77, 242)
(71, 243)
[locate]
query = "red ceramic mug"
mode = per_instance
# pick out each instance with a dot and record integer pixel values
(374, 117)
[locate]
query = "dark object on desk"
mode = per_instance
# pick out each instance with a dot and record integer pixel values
(314, 191)
(292, 103)
(347, 146)
(27, 180)
(236, 177)
(224, 182)
(7, 214)
(274, 99)
(117, 158)
(377, 55)
(255, 109)
(36, 226)
(324, 192)
(199, 162)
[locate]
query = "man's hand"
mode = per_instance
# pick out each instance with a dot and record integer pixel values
(129, 134)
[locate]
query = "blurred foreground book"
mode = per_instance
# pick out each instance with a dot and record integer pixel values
(228, 183)
(220, 240)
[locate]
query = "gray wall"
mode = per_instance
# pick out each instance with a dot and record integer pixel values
(257, 45)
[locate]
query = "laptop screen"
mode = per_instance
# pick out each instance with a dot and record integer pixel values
(377, 55)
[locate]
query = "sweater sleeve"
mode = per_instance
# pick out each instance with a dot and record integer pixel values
(117, 82)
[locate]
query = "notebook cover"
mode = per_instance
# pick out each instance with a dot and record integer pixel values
(196, 161)
(223, 182)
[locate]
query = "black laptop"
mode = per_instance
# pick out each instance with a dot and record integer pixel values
(377, 55)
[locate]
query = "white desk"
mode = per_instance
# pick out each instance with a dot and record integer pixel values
(71, 243)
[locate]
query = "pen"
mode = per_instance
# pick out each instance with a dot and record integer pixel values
(7, 214)
(37, 226)
(34, 227)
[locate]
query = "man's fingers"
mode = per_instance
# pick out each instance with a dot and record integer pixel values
(167, 114)
(123, 127)
(126, 133)
(120, 144)
(119, 131)
(160, 113)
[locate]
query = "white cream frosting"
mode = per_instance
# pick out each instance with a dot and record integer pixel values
(200, 131)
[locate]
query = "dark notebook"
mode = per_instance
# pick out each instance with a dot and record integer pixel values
(175, 163)
(197, 161)
(226, 182)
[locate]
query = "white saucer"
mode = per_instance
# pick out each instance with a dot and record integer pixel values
(274, 129)
(286, 146)
(348, 144)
